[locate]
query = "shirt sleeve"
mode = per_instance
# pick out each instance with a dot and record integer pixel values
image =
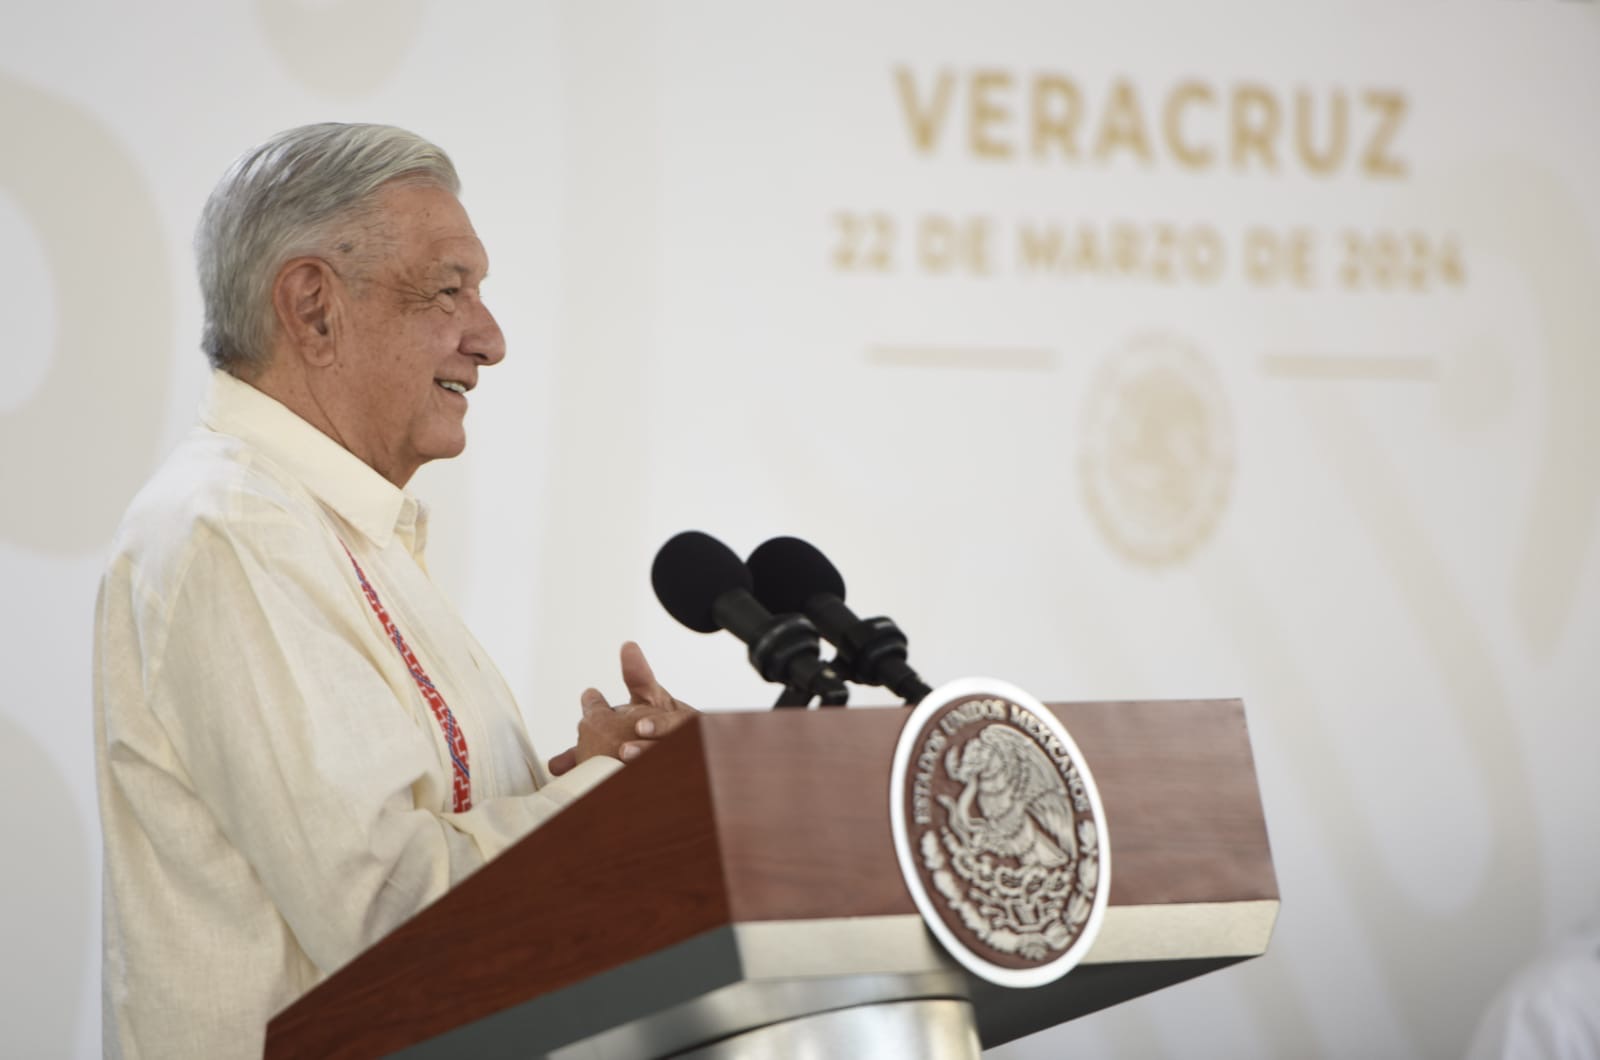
(296, 741)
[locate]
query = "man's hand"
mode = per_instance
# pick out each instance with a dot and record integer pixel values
(625, 731)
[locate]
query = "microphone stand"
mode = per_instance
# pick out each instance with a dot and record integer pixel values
(786, 651)
(798, 696)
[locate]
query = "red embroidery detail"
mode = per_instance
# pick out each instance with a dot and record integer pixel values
(453, 736)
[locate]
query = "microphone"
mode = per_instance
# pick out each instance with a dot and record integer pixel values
(703, 584)
(791, 575)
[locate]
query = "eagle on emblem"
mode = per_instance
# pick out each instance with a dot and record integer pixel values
(1026, 811)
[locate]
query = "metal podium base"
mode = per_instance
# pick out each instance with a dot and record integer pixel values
(939, 1029)
(861, 986)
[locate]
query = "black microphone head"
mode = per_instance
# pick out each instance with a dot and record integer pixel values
(788, 572)
(691, 572)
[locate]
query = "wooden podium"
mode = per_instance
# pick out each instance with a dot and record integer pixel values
(742, 875)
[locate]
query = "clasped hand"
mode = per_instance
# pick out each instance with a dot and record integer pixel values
(628, 729)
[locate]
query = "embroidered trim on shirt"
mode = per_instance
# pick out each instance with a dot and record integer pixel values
(453, 736)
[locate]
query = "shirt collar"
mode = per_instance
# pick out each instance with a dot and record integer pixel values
(335, 476)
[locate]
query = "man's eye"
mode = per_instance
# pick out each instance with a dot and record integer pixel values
(451, 291)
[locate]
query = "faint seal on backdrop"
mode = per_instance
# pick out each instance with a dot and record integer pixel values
(999, 832)
(1157, 452)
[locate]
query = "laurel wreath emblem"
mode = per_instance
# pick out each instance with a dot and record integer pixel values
(1026, 910)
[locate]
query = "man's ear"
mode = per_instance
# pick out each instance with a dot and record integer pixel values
(305, 300)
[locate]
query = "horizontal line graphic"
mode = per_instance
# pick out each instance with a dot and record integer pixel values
(991, 358)
(1336, 366)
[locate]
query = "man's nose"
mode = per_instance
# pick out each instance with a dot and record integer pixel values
(483, 339)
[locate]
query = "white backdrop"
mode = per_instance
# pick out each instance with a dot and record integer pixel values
(1163, 350)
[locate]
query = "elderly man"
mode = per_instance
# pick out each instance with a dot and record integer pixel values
(299, 745)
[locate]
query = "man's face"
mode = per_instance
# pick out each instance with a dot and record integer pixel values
(415, 334)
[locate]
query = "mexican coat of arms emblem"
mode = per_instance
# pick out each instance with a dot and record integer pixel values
(1000, 832)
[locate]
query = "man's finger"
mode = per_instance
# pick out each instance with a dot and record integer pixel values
(564, 761)
(658, 725)
(593, 702)
(640, 678)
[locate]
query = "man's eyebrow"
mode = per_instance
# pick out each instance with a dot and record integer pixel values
(461, 271)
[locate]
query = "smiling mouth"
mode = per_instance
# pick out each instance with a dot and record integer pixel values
(453, 386)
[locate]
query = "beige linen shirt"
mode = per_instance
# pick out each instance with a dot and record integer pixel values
(275, 793)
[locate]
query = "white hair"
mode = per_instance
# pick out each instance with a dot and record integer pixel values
(307, 191)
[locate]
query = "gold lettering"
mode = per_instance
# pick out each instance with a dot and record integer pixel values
(1159, 251)
(1330, 159)
(1122, 124)
(1058, 126)
(924, 122)
(1040, 245)
(1451, 269)
(844, 256)
(1273, 257)
(1391, 108)
(1172, 122)
(988, 114)
(1161, 260)
(1086, 254)
(1255, 125)
(1260, 256)
(1061, 122)
(1203, 259)
(1125, 248)
(882, 238)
